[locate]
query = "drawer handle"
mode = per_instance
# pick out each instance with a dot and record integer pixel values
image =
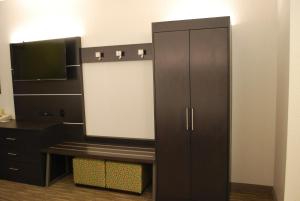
(10, 139)
(11, 154)
(14, 169)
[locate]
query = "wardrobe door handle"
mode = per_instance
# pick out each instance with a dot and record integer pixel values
(187, 118)
(11, 154)
(14, 169)
(192, 119)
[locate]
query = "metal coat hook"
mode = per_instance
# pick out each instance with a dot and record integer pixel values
(119, 54)
(141, 53)
(99, 55)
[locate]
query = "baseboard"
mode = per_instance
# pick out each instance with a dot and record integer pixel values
(252, 189)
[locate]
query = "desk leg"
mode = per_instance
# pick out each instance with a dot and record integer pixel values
(67, 165)
(48, 164)
(154, 181)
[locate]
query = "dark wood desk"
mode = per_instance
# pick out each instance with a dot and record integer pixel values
(29, 125)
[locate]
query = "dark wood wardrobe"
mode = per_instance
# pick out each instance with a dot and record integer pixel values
(192, 109)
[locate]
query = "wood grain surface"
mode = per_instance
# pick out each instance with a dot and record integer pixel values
(65, 190)
(104, 152)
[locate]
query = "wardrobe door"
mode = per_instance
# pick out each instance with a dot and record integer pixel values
(209, 65)
(171, 77)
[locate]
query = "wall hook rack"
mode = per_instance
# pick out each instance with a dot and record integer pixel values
(132, 52)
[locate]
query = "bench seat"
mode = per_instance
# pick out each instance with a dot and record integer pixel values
(122, 153)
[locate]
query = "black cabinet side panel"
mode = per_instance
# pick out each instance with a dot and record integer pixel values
(209, 99)
(171, 72)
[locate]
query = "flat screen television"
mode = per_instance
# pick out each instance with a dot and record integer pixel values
(40, 60)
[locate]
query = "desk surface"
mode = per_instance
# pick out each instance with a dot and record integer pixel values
(104, 152)
(28, 125)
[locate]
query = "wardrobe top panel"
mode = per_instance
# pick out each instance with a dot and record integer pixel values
(204, 23)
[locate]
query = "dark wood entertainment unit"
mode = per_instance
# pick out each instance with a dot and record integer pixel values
(61, 100)
(47, 112)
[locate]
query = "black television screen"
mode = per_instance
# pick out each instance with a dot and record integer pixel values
(41, 60)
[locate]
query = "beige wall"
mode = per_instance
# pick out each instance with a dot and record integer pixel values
(6, 98)
(120, 96)
(254, 91)
(292, 181)
(104, 22)
(282, 97)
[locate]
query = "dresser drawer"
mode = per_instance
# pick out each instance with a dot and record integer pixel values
(19, 140)
(26, 157)
(22, 172)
